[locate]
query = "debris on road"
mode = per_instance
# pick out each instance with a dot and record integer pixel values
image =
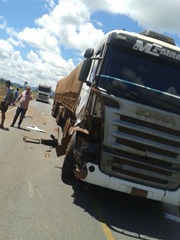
(53, 142)
(35, 128)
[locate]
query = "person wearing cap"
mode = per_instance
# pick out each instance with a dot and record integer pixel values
(23, 99)
(7, 99)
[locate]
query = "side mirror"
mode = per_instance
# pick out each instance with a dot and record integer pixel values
(85, 70)
(89, 53)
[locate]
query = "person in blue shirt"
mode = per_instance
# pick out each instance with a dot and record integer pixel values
(16, 94)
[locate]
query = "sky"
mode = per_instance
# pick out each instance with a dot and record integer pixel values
(41, 41)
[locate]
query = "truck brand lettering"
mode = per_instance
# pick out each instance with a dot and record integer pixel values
(155, 115)
(155, 50)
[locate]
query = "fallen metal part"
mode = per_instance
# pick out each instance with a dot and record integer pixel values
(49, 142)
(53, 142)
(31, 140)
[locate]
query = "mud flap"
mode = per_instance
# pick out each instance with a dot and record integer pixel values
(60, 150)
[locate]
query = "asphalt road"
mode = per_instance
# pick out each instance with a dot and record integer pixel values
(36, 205)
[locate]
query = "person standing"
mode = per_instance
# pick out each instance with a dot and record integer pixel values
(23, 99)
(7, 99)
(15, 96)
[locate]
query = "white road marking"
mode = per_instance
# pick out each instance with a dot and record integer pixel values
(171, 217)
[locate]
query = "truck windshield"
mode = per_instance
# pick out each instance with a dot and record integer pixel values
(142, 78)
(44, 89)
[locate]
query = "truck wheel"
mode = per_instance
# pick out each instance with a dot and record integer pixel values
(55, 110)
(69, 162)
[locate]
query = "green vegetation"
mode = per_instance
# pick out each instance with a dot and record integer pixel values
(2, 90)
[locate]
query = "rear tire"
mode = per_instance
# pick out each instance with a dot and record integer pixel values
(55, 110)
(69, 161)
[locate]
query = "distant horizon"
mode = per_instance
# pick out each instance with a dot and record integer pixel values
(3, 80)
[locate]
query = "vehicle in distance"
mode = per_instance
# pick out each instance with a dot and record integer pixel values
(43, 93)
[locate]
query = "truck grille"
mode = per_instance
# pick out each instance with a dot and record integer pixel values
(140, 149)
(43, 96)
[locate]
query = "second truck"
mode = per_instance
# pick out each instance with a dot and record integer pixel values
(119, 111)
(43, 93)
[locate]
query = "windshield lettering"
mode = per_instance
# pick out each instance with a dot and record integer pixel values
(155, 50)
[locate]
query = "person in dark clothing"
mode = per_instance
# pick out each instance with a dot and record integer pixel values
(6, 102)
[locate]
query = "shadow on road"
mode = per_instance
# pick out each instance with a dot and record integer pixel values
(131, 216)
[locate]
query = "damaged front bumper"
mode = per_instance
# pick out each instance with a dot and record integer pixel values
(96, 177)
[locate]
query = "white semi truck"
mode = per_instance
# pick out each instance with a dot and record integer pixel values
(119, 112)
(43, 93)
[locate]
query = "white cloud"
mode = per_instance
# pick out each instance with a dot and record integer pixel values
(50, 2)
(3, 23)
(39, 38)
(156, 14)
(14, 42)
(68, 25)
(6, 49)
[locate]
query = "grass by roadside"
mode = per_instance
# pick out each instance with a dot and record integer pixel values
(2, 90)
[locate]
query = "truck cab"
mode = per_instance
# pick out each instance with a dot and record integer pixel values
(124, 132)
(43, 93)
